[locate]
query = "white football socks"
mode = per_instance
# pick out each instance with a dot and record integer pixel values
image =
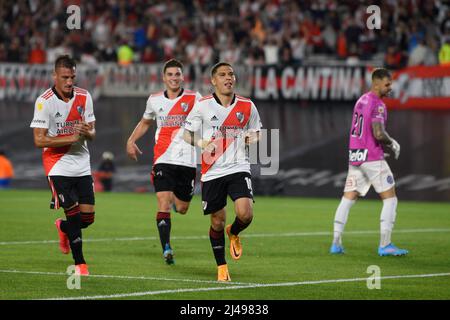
(387, 220)
(340, 219)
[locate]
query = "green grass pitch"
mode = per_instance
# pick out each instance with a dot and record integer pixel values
(285, 252)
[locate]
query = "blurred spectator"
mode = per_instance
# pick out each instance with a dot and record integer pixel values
(298, 47)
(6, 171)
(149, 55)
(105, 171)
(444, 53)
(422, 55)
(125, 55)
(204, 31)
(394, 58)
(37, 54)
(14, 53)
(271, 51)
(342, 45)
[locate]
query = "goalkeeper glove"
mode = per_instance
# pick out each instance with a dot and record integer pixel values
(395, 147)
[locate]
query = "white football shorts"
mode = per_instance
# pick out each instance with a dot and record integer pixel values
(375, 173)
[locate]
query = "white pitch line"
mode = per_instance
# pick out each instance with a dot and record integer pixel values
(282, 284)
(125, 277)
(263, 235)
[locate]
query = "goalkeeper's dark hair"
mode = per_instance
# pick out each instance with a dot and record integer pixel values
(217, 66)
(65, 61)
(172, 63)
(381, 73)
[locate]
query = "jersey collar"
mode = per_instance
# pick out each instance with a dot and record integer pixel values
(57, 94)
(179, 95)
(219, 102)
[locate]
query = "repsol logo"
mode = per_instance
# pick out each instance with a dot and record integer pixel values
(357, 155)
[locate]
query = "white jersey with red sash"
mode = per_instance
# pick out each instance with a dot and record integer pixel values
(226, 127)
(170, 115)
(59, 117)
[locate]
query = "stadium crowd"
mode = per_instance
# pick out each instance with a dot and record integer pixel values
(413, 32)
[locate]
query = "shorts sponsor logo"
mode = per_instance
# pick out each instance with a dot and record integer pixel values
(390, 179)
(204, 204)
(357, 155)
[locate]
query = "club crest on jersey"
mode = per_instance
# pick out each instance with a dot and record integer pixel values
(80, 110)
(240, 116)
(380, 109)
(184, 106)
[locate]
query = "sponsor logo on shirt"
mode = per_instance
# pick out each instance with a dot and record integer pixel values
(214, 118)
(39, 121)
(58, 115)
(357, 155)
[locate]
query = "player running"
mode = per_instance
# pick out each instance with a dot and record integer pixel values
(174, 161)
(227, 123)
(63, 122)
(368, 139)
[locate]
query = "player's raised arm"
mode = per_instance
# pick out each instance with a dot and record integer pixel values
(140, 129)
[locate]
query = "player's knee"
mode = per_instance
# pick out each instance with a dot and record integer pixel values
(245, 214)
(218, 224)
(87, 218)
(182, 209)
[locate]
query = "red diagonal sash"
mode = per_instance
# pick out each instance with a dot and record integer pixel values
(51, 155)
(166, 134)
(243, 108)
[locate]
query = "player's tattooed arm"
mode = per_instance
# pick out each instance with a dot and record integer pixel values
(383, 137)
(379, 132)
(42, 140)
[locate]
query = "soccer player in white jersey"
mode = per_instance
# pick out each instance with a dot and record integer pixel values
(63, 122)
(367, 166)
(174, 161)
(226, 123)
